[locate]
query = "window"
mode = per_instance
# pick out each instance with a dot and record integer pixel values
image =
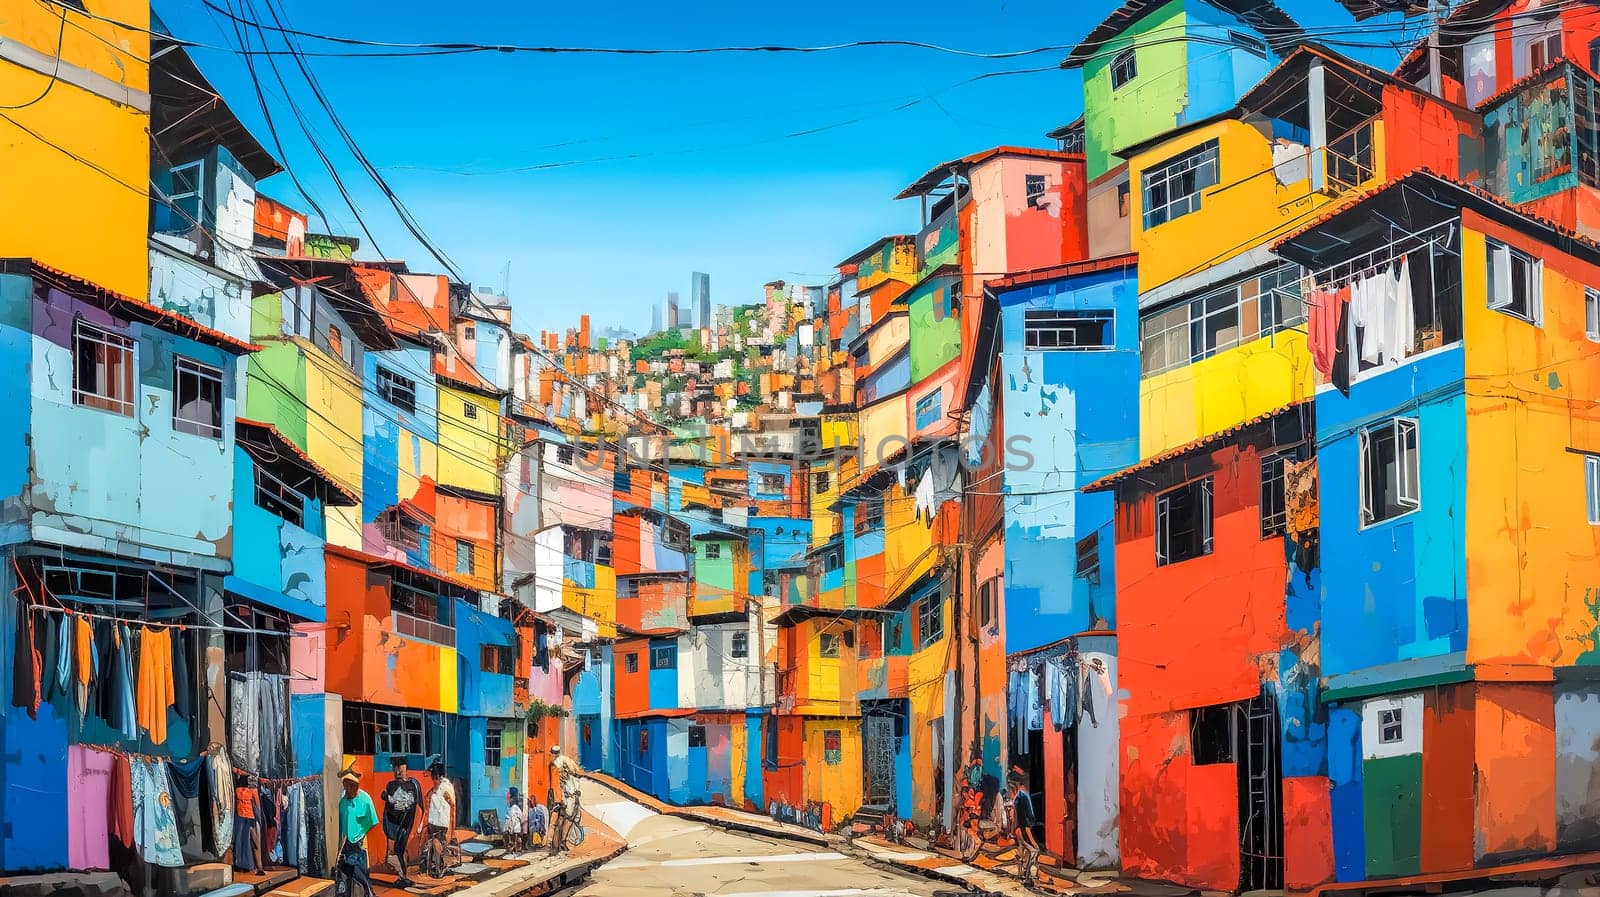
(1172, 189)
(276, 496)
(197, 397)
(1594, 55)
(1389, 475)
(675, 535)
(833, 559)
(469, 332)
(1124, 68)
(928, 409)
(400, 529)
(986, 603)
(930, 620)
(739, 646)
(401, 733)
(1221, 319)
(820, 483)
(697, 736)
(564, 454)
(102, 375)
(1124, 197)
(397, 390)
(1515, 281)
(832, 747)
(1591, 486)
(336, 343)
(869, 515)
(1089, 558)
(770, 482)
(466, 560)
(493, 750)
(1212, 735)
(1274, 511)
(1034, 188)
(1183, 522)
(421, 614)
(713, 551)
(1545, 50)
(631, 662)
(495, 659)
(1591, 314)
(1391, 726)
(469, 411)
(828, 645)
(186, 193)
(663, 657)
(1067, 329)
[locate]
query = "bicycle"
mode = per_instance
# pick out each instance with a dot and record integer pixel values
(564, 828)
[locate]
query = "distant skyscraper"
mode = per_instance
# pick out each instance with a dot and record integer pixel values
(672, 311)
(655, 317)
(702, 297)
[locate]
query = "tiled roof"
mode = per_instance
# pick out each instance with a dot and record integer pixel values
(129, 307)
(938, 173)
(1464, 191)
(1070, 269)
(1110, 480)
(282, 443)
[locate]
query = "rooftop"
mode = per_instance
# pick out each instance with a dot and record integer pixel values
(1276, 26)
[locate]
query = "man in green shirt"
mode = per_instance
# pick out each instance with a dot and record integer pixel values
(357, 816)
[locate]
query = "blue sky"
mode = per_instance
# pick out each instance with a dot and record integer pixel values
(714, 183)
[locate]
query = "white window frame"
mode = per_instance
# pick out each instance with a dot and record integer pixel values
(1591, 486)
(1207, 524)
(1205, 161)
(393, 385)
(1176, 326)
(1391, 725)
(183, 365)
(713, 551)
(1408, 489)
(102, 397)
(1056, 324)
(1591, 314)
(1124, 68)
(1496, 254)
(198, 194)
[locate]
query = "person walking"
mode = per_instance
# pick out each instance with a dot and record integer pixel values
(441, 811)
(566, 773)
(401, 797)
(1022, 822)
(357, 817)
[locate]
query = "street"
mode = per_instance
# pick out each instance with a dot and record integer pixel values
(673, 857)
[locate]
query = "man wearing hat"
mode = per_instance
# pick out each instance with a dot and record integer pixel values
(357, 816)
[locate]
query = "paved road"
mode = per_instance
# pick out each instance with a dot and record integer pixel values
(673, 857)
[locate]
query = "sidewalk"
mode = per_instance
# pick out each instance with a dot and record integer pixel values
(987, 874)
(490, 872)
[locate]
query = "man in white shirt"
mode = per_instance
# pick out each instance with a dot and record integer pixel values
(441, 808)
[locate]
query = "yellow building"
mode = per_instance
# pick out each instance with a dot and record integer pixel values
(74, 134)
(470, 439)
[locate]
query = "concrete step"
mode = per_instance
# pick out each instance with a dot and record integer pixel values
(264, 880)
(304, 886)
(201, 878)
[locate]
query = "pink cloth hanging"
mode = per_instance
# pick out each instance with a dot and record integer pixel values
(88, 808)
(1322, 327)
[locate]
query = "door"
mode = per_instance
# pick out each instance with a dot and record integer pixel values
(1260, 796)
(879, 765)
(589, 740)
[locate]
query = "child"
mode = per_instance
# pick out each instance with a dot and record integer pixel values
(538, 823)
(516, 823)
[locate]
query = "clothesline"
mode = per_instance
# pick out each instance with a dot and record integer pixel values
(266, 781)
(1383, 256)
(130, 755)
(204, 627)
